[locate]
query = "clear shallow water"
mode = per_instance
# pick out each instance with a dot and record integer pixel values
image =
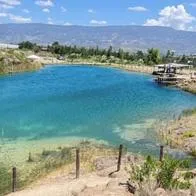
(90, 102)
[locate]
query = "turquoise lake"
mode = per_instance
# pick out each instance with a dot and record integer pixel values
(88, 102)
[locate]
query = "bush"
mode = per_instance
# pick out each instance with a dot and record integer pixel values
(163, 173)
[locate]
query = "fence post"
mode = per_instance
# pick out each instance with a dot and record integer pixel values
(119, 157)
(77, 163)
(161, 153)
(13, 179)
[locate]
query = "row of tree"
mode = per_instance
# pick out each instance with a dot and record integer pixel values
(151, 57)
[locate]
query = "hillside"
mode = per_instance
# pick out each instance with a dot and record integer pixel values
(16, 61)
(128, 37)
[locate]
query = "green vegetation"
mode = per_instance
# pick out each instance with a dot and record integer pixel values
(29, 46)
(110, 55)
(166, 174)
(188, 134)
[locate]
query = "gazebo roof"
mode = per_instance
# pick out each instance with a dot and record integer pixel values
(173, 65)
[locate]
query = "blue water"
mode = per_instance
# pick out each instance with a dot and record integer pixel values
(91, 102)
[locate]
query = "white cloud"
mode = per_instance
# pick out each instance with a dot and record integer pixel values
(46, 10)
(19, 19)
(11, 2)
(137, 9)
(3, 15)
(5, 6)
(26, 11)
(172, 16)
(67, 24)
(63, 9)
(91, 11)
(44, 3)
(98, 22)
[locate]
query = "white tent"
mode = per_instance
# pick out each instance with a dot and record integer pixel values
(34, 57)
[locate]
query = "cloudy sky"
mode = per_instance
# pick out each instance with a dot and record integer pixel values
(179, 14)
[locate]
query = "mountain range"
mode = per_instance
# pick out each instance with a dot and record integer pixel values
(128, 37)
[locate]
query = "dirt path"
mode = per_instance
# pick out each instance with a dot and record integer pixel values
(98, 183)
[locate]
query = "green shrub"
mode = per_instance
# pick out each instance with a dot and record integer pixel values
(163, 173)
(189, 134)
(167, 170)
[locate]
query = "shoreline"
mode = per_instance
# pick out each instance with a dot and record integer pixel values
(188, 85)
(180, 133)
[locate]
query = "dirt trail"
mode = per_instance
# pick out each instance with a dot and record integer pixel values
(98, 183)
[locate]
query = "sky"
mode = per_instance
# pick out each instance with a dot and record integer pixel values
(178, 14)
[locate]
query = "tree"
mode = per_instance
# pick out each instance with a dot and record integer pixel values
(26, 45)
(184, 59)
(153, 56)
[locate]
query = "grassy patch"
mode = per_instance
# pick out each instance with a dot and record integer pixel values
(189, 134)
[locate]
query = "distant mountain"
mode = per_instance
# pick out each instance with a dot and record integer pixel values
(127, 37)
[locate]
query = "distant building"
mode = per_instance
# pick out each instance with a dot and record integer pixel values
(8, 46)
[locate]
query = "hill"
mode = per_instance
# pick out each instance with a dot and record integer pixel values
(127, 37)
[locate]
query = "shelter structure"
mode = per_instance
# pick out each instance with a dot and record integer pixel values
(172, 73)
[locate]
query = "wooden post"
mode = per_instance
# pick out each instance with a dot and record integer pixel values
(13, 179)
(161, 153)
(119, 157)
(77, 163)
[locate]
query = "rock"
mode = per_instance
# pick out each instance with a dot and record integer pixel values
(160, 192)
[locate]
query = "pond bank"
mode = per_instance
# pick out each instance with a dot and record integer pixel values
(181, 133)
